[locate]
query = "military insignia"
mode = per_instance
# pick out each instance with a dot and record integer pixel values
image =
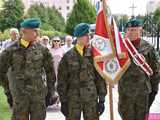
(99, 44)
(24, 43)
(111, 66)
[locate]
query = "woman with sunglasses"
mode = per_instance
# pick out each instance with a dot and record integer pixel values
(57, 53)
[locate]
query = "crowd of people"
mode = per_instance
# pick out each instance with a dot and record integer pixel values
(37, 72)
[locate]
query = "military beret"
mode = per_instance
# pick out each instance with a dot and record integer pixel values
(134, 23)
(81, 29)
(31, 23)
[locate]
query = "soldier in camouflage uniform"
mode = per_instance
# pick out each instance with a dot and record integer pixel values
(80, 87)
(135, 87)
(30, 73)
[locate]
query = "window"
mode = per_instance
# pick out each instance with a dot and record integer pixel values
(60, 8)
(67, 1)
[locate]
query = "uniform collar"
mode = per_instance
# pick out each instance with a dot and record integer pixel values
(25, 44)
(80, 49)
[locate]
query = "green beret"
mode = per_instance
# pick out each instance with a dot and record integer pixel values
(31, 23)
(81, 29)
(134, 23)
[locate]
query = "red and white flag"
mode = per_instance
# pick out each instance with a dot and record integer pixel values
(110, 55)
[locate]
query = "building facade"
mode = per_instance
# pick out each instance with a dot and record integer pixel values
(64, 6)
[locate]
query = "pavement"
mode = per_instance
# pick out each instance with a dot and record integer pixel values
(52, 115)
(155, 108)
(55, 114)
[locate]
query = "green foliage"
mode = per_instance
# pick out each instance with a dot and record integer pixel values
(46, 26)
(83, 11)
(156, 17)
(5, 113)
(50, 17)
(52, 33)
(5, 35)
(121, 21)
(47, 33)
(56, 20)
(11, 14)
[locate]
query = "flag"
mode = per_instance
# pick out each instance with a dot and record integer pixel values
(111, 58)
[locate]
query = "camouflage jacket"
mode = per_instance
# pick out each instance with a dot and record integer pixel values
(77, 78)
(29, 70)
(135, 81)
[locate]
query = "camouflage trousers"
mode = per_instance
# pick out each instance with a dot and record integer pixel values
(29, 107)
(133, 107)
(89, 110)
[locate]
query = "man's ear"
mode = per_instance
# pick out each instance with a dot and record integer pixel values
(22, 30)
(37, 32)
(141, 29)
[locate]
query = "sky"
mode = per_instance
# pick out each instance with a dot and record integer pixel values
(123, 6)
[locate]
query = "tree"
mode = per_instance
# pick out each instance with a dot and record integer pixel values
(122, 22)
(156, 17)
(83, 11)
(11, 14)
(116, 18)
(50, 17)
(56, 20)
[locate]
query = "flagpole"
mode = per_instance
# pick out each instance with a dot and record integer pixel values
(114, 52)
(108, 27)
(111, 102)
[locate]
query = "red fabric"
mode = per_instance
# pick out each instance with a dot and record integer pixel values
(136, 42)
(123, 48)
(100, 65)
(101, 31)
(95, 52)
(100, 25)
(134, 53)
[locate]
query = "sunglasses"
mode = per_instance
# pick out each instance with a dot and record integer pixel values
(56, 41)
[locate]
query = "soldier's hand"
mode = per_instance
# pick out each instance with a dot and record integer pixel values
(64, 108)
(52, 99)
(49, 100)
(152, 97)
(101, 108)
(9, 98)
